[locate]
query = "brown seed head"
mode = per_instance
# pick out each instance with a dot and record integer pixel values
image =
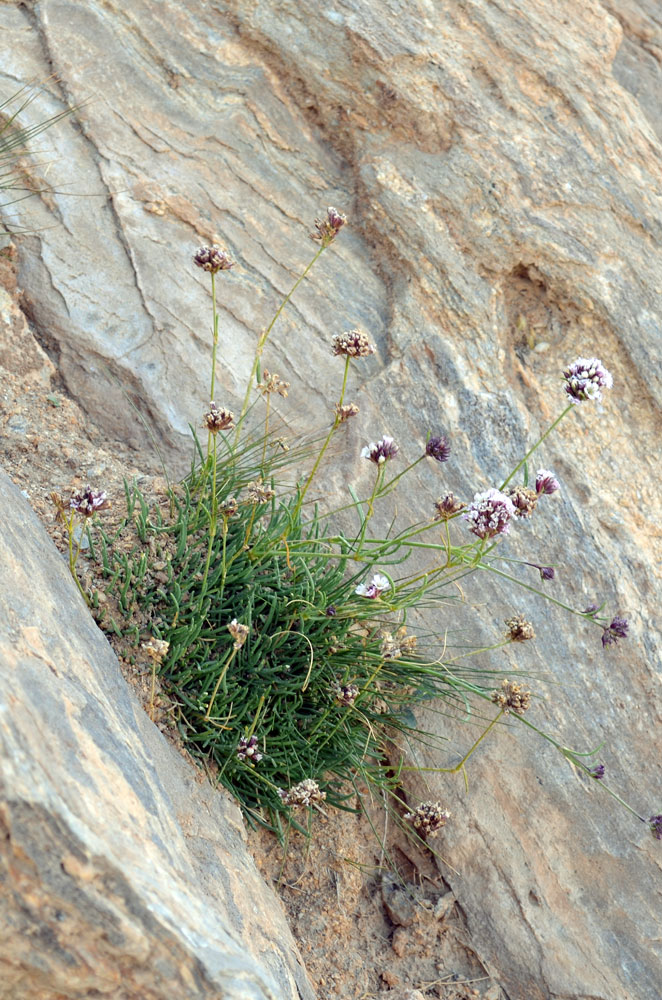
(346, 411)
(523, 499)
(272, 383)
(352, 344)
(519, 629)
(512, 697)
(218, 419)
(428, 818)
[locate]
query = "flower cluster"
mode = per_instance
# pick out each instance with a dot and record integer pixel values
(345, 694)
(212, 259)
(438, 448)
(655, 823)
(345, 411)
(597, 772)
(327, 229)
(375, 588)
(218, 419)
(519, 629)
(89, 502)
(352, 344)
(585, 378)
(447, 507)
(156, 649)
(259, 493)
(247, 750)
(489, 514)
(393, 647)
(617, 629)
(512, 697)
(238, 632)
(380, 451)
(228, 507)
(523, 500)
(306, 793)
(428, 818)
(271, 382)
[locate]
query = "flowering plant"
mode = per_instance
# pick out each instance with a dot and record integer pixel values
(288, 660)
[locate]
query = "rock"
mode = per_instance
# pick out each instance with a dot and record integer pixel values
(505, 192)
(122, 873)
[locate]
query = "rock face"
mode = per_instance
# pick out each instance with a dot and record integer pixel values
(501, 167)
(121, 873)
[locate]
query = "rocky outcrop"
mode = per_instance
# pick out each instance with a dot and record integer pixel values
(505, 190)
(123, 874)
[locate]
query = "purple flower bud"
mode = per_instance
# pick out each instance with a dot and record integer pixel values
(247, 749)
(597, 772)
(89, 502)
(655, 823)
(438, 448)
(591, 609)
(212, 259)
(489, 514)
(546, 482)
(546, 572)
(617, 629)
(585, 378)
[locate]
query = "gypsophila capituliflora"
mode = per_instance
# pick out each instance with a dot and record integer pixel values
(324, 672)
(428, 818)
(584, 380)
(380, 451)
(489, 514)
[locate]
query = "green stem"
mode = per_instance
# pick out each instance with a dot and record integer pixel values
(73, 557)
(327, 441)
(534, 590)
(213, 353)
(221, 676)
(391, 483)
(212, 525)
(458, 767)
(540, 440)
(265, 336)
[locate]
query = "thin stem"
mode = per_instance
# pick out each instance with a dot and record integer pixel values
(73, 557)
(221, 676)
(391, 483)
(540, 440)
(212, 524)
(334, 426)
(458, 767)
(265, 336)
(534, 590)
(213, 353)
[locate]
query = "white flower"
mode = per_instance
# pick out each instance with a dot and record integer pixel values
(377, 585)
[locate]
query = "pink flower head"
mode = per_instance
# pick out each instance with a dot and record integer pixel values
(380, 451)
(489, 514)
(585, 378)
(375, 588)
(546, 482)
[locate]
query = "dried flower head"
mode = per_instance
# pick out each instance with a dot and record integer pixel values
(655, 823)
(259, 493)
(428, 818)
(375, 588)
(218, 419)
(327, 229)
(345, 411)
(585, 378)
(393, 647)
(597, 772)
(489, 514)
(247, 750)
(272, 383)
(524, 500)
(306, 793)
(352, 344)
(156, 649)
(228, 507)
(447, 506)
(438, 448)
(212, 259)
(546, 482)
(519, 629)
(238, 632)
(89, 502)
(512, 697)
(617, 629)
(345, 694)
(380, 451)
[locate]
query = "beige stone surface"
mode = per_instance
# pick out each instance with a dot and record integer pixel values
(123, 874)
(501, 165)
